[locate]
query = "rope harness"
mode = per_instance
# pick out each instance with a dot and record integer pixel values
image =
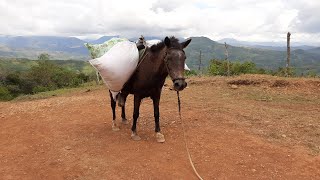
(179, 108)
(185, 139)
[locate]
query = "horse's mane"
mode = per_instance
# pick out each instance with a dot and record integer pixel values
(174, 42)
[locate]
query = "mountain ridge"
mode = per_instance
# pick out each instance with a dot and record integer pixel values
(65, 48)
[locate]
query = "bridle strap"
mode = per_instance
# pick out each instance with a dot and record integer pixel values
(166, 62)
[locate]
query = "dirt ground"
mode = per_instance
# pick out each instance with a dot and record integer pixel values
(247, 127)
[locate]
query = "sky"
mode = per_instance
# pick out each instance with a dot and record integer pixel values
(246, 20)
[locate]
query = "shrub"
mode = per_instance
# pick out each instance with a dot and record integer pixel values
(38, 89)
(190, 73)
(218, 67)
(5, 94)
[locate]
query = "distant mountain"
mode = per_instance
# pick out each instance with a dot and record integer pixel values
(314, 51)
(102, 39)
(32, 46)
(63, 48)
(277, 46)
(302, 60)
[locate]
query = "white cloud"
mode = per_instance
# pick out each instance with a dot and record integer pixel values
(249, 20)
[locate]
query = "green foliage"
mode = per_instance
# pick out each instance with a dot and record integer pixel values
(312, 74)
(5, 94)
(43, 57)
(190, 73)
(285, 72)
(44, 75)
(38, 89)
(219, 67)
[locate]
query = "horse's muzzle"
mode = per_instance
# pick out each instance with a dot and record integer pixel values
(179, 84)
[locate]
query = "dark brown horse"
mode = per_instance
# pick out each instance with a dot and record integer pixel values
(163, 59)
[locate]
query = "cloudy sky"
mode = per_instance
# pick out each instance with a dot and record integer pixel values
(248, 20)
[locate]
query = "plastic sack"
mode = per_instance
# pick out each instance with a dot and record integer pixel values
(98, 50)
(186, 67)
(117, 65)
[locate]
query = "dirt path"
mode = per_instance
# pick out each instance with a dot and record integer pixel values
(232, 134)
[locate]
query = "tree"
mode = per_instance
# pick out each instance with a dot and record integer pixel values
(44, 57)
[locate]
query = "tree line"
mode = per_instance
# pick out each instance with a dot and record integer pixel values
(44, 76)
(218, 67)
(47, 76)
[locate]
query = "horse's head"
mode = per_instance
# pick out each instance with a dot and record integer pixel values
(175, 60)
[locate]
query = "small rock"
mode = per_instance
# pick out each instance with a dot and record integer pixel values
(283, 135)
(234, 86)
(68, 147)
(253, 170)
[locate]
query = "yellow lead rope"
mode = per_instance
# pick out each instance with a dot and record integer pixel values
(185, 139)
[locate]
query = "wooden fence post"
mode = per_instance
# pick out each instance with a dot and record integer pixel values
(227, 58)
(288, 54)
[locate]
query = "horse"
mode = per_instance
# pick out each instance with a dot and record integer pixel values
(162, 59)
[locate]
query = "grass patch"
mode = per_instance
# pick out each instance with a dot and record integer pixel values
(64, 91)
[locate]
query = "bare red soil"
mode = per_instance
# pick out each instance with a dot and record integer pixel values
(248, 127)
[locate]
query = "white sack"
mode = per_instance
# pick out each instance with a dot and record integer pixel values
(117, 65)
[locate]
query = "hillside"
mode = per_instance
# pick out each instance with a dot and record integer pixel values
(21, 65)
(302, 60)
(31, 46)
(65, 48)
(277, 46)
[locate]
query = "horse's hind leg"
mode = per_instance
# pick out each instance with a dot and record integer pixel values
(113, 107)
(137, 101)
(123, 112)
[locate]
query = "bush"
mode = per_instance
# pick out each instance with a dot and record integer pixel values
(218, 67)
(190, 73)
(284, 72)
(312, 74)
(5, 94)
(38, 89)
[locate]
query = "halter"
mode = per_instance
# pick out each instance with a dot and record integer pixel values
(166, 62)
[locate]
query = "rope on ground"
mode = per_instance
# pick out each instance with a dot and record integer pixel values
(185, 139)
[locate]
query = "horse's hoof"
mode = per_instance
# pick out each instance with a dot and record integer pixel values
(160, 137)
(125, 121)
(115, 128)
(135, 137)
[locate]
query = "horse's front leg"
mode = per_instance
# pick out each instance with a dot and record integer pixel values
(156, 101)
(137, 101)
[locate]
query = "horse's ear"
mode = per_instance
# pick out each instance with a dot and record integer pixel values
(186, 43)
(167, 41)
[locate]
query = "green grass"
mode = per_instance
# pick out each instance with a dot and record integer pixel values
(59, 92)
